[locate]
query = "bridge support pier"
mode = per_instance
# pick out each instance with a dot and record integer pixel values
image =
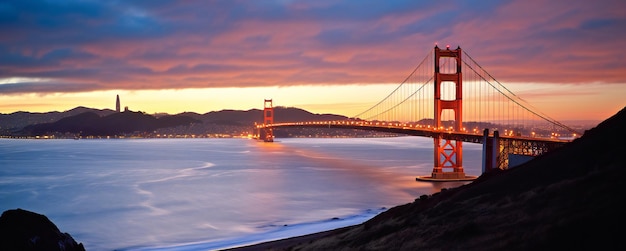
(491, 151)
(448, 154)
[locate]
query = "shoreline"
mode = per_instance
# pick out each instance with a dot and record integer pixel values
(281, 237)
(290, 241)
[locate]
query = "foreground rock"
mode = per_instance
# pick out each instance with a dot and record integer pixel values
(24, 230)
(570, 199)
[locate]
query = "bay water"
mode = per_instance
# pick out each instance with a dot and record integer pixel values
(205, 194)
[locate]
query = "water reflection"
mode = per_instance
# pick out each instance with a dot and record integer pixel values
(370, 171)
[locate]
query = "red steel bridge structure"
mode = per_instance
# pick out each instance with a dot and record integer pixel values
(452, 99)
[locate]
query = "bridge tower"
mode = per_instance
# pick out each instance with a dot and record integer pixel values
(268, 119)
(448, 153)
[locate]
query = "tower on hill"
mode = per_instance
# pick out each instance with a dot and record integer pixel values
(117, 104)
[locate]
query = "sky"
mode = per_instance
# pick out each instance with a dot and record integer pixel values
(564, 57)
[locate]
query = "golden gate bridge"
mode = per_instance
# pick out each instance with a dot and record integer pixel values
(451, 98)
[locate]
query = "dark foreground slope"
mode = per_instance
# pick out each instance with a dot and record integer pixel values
(569, 199)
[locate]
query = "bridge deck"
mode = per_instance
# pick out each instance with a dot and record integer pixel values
(413, 130)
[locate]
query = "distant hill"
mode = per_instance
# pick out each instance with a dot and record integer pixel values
(217, 122)
(18, 120)
(91, 124)
(249, 117)
(237, 122)
(568, 199)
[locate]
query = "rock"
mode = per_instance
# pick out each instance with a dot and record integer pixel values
(29, 231)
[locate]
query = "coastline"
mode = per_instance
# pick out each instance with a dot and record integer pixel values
(291, 241)
(280, 237)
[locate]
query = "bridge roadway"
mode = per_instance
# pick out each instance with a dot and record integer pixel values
(531, 146)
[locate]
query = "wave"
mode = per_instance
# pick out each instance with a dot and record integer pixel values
(205, 166)
(230, 152)
(182, 173)
(275, 232)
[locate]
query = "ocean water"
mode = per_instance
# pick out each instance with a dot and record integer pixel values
(206, 194)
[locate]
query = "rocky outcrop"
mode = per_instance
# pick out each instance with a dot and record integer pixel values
(27, 231)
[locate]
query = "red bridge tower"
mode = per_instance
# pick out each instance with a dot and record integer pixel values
(448, 153)
(268, 119)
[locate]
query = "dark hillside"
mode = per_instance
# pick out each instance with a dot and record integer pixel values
(18, 120)
(281, 114)
(229, 122)
(569, 199)
(290, 114)
(90, 124)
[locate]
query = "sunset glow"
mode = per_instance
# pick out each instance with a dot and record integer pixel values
(322, 56)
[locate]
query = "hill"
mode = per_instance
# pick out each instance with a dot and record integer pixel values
(232, 122)
(569, 199)
(18, 120)
(249, 117)
(91, 124)
(237, 122)
(213, 122)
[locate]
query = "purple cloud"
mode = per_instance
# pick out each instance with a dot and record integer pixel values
(99, 45)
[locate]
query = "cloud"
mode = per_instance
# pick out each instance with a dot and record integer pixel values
(46, 87)
(100, 45)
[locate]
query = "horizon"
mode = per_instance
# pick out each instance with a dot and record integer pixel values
(584, 121)
(336, 57)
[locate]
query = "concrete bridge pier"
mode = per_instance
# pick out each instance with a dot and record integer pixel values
(491, 150)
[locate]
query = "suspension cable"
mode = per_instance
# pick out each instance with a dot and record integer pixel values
(542, 115)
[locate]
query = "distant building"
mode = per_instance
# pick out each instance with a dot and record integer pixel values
(117, 104)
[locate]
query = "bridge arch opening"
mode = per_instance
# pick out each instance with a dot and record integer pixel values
(448, 65)
(448, 119)
(448, 90)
